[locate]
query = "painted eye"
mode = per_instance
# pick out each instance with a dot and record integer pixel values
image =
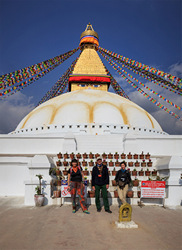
(81, 85)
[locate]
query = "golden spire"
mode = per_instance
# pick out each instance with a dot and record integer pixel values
(89, 35)
(89, 31)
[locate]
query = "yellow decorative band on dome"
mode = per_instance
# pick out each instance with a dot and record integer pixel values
(89, 39)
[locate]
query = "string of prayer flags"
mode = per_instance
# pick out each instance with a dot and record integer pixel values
(154, 92)
(167, 79)
(34, 77)
(158, 104)
(59, 87)
(17, 76)
(148, 78)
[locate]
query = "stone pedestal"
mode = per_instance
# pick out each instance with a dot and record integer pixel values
(129, 224)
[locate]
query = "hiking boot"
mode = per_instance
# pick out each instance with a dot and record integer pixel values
(108, 211)
(86, 212)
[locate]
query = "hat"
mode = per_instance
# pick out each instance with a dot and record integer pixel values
(99, 158)
(74, 160)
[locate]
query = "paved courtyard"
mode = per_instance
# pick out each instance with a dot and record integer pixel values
(54, 227)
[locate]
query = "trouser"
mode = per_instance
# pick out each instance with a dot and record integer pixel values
(104, 194)
(78, 188)
(122, 193)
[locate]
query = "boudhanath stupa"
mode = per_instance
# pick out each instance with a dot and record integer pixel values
(87, 119)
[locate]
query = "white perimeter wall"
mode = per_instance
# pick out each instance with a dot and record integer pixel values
(17, 152)
(163, 145)
(13, 172)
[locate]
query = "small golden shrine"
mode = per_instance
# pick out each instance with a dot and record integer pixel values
(125, 212)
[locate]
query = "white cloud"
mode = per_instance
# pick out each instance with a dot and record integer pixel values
(176, 69)
(168, 123)
(12, 110)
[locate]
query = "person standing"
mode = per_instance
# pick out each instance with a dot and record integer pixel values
(122, 179)
(100, 181)
(76, 185)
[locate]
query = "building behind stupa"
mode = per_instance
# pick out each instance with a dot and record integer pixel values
(87, 119)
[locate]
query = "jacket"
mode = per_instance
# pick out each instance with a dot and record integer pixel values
(123, 176)
(98, 178)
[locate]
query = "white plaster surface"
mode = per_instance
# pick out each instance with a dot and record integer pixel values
(89, 106)
(13, 172)
(128, 224)
(172, 167)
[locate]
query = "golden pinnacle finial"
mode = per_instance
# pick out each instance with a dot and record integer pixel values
(89, 31)
(89, 27)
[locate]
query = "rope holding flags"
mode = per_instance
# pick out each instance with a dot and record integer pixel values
(17, 76)
(165, 78)
(141, 91)
(117, 88)
(154, 92)
(36, 76)
(60, 85)
(148, 78)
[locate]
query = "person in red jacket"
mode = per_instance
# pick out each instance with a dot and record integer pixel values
(76, 185)
(100, 181)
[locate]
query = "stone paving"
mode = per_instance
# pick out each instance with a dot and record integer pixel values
(54, 227)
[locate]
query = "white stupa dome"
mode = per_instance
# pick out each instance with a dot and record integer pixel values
(89, 106)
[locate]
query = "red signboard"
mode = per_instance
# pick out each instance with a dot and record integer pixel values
(153, 189)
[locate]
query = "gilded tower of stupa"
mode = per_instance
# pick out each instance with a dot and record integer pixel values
(89, 71)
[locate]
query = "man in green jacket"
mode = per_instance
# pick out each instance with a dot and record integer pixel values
(100, 181)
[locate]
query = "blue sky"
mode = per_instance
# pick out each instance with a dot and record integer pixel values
(33, 31)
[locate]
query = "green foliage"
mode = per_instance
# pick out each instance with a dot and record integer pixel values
(40, 176)
(158, 178)
(38, 189)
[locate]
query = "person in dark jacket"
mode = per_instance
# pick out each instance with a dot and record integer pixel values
(100, 181)
(122, 181)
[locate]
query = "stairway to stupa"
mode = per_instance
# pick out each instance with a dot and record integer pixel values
(141, 167)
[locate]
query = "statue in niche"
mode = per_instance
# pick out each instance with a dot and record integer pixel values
(125, 212)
